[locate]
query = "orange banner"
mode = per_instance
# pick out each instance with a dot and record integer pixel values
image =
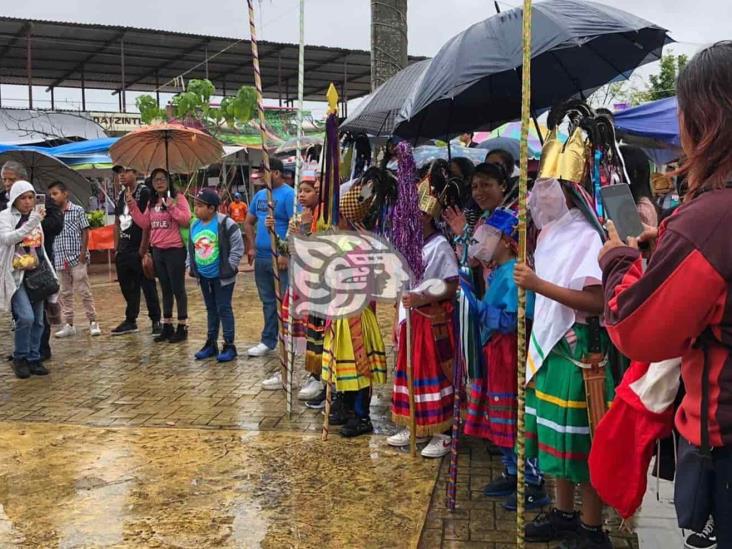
(102, 238)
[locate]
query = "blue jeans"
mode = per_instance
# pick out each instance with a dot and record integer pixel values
(532, 475)
(28, 326)
(264, 278)
(218, 308)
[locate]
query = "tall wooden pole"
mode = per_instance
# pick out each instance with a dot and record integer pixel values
(523, 186)
(268, 184)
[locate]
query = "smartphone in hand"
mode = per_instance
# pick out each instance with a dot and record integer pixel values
(621, 210)
(40, 201)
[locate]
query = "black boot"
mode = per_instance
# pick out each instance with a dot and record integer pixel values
(165, 334)
(553, 525)
(20, 367)
(37, 369)
(181, 334)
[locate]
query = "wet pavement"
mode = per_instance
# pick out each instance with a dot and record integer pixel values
(129, 443)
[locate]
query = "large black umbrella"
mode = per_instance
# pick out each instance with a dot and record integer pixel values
(474, 81)
(376, 113)
(44, 169)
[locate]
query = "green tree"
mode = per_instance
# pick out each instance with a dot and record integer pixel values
(662, 84)
(195, 103)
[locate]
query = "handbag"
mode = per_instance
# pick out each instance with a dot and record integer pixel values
(40, 283)
(694, 485)
(148, 266)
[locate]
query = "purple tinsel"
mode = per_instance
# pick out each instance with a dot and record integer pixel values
(406, 220)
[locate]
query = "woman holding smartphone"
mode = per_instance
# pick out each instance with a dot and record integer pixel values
(681, 305)
(166, 214)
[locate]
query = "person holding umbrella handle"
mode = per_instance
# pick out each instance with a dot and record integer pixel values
(166, 214)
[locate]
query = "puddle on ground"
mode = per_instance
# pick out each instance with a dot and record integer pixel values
(74, 486)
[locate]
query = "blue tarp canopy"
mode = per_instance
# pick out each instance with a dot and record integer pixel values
(93, 151)
(656, 120)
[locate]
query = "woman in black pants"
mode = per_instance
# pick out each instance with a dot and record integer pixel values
(167, 212)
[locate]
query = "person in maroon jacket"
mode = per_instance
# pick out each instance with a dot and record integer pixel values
(682, 303)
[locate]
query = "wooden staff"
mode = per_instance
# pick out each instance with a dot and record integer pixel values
(328, 394)
(521, 335)
(268, 183)
(410, 388)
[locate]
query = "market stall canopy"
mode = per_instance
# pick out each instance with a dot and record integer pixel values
(306, 141)
(44, 169)
(91, 55)
(656, 123)
(25, 127)
(376, 113)
(474, 81)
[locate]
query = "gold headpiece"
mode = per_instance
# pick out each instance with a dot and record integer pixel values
(567, 161)
(428, 202)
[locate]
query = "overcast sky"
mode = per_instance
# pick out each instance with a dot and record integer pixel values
(345, 23)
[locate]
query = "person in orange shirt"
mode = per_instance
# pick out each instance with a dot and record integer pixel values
(238, 210)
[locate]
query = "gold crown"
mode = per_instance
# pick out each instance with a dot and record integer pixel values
(428, 202)
(567, 161)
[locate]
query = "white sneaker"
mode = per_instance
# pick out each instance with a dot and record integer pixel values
(310, 389)
(401, 439)
(259, 350)
(273, 383)
(94, 329)
(67, 331)
(438, 447)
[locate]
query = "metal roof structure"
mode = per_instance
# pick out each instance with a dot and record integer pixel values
(91, 56)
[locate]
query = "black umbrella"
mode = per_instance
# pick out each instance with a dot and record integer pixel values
(474, 81)
(44, 169)
(376, 113)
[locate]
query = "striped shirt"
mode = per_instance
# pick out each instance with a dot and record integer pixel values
(67, 246)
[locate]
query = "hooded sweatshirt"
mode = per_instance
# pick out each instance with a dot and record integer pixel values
(10, 237)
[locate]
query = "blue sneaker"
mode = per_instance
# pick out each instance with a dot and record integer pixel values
(209, 350)
(228, 353)
(535, 497)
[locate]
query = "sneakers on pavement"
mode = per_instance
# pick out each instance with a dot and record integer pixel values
(317, 403)
(437, 447)
(535, 497)
(259, 350)
(311, 389)
(94, 329)
(706, 539)
(209, 350)
(503, 486)
(180, 334)
(273, 383)
(401, 439)
(21, 369)
(228, 353)
(67, 331)
(356, 427)
(37, 369)
(125, 327)
(551, 526)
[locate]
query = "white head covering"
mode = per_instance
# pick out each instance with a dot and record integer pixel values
(19, 188)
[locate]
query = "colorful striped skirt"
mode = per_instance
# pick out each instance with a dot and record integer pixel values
(353, 351)
(296, 329)
(314, 334)
(432, 357)
(492, 397)
(557, 426)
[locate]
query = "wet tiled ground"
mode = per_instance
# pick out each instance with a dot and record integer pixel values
(129, 443)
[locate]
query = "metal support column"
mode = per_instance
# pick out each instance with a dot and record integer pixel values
(53, 100)
(29, 63)
(123, 96)
(157, 88)
(83, 90)
(205, 51)
(279, 78)
(344, 89)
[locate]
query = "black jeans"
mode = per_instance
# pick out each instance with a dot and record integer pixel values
(131, 281)
(46, 336)
(170, 268)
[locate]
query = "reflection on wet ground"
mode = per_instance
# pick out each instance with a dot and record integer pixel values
(129, 443)
(71, 486)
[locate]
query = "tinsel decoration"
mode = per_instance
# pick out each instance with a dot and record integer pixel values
(406, 220)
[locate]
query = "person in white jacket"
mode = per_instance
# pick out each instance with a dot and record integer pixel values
(21, 250)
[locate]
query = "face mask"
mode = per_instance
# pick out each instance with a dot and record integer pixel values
(547, 202)
(484, 242)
